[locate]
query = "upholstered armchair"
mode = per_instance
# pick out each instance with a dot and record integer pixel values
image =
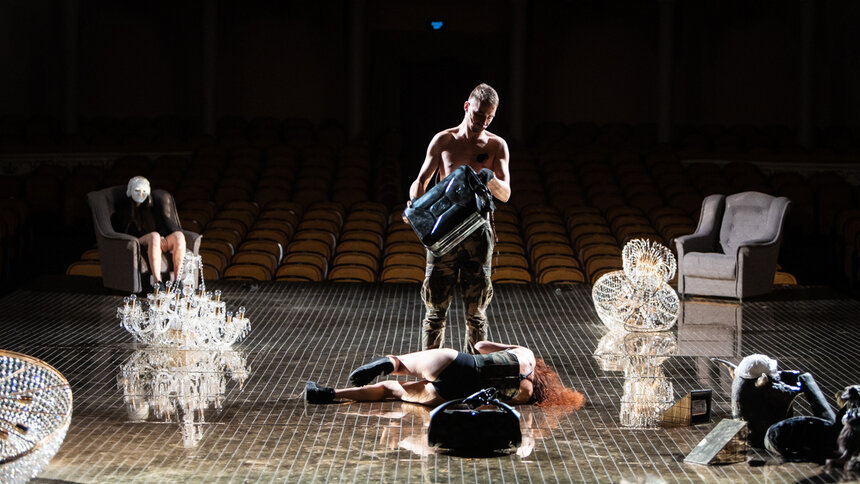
(734, 250)
(123, 262)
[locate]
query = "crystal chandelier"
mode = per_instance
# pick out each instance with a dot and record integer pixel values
(184, 315)
(35, 412)
(647, 390)
(179, 385)
(639, 298)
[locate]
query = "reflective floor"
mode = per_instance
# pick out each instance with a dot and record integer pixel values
(239, 415)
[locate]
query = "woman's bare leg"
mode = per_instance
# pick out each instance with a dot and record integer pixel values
(413, 392)
(427, 364)
(175, 244)
(152, 241)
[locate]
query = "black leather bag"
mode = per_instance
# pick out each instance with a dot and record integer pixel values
(450, 211)
(478, 425)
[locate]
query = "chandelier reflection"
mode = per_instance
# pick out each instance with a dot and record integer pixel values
(179, 385)
(184, 315)
(35, 413)
(648, 392)
(639, 298)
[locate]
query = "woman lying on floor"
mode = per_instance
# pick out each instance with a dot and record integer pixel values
(447, 374)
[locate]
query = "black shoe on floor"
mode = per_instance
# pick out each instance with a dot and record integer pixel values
(317, 394)
(366, 373)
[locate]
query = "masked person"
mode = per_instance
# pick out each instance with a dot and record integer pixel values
(138, 217)
(487, 154)
(446, 374)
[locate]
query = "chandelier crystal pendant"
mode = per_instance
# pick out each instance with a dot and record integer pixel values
(184, 315)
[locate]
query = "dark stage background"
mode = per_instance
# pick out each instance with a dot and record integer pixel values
(101, 75)
(735, 62)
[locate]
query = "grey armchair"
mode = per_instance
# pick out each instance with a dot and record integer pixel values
(734, 250)
(122, 261)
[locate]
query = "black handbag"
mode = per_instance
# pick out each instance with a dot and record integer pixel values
(464, 427)
(450, 211)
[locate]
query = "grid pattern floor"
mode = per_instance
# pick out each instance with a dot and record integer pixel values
(258, 429)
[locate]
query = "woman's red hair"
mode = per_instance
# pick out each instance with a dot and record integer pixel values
(549, 390)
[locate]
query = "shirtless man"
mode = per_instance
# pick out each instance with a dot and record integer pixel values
(467, 144)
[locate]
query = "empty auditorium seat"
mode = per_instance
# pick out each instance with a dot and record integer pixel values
(270, 234)
(210, 273)
(546, 237)
(402, 274)
(356, 258)
(358, 245)
(361, 223)
(298, 271)
(206, 208)
(405, 259)
(313, 246)
(552, 260)
(247, 271)
(325, 237)
(225, 248)
(401, 236)
(351, 273)
(227, 235)
(228, 224)
(245, 217)
(264, 259)
(582, 230)
(784, 279)
(595, 250)
(412, 247)
(312, 258)
(369, 236)
(88, 268)
(502, 247)
(217, 260)
(510, 260)
(286, 215)
(511, 275)
(598, 265)
(280, 225)
(268, 246)
(266, 194)
(330, 226)
(550, 248)
(509, 238)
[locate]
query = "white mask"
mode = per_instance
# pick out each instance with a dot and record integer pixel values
(138, 189)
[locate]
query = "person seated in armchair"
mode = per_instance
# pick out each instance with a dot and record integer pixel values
(137, 216)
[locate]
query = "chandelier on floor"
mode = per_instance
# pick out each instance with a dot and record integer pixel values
(639, 298)
(35, 412)
(184, 315)
(179, 385)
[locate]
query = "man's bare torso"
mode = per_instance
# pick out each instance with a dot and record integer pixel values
(457, 150)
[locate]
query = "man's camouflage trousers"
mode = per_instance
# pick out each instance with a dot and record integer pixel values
(470, 262)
